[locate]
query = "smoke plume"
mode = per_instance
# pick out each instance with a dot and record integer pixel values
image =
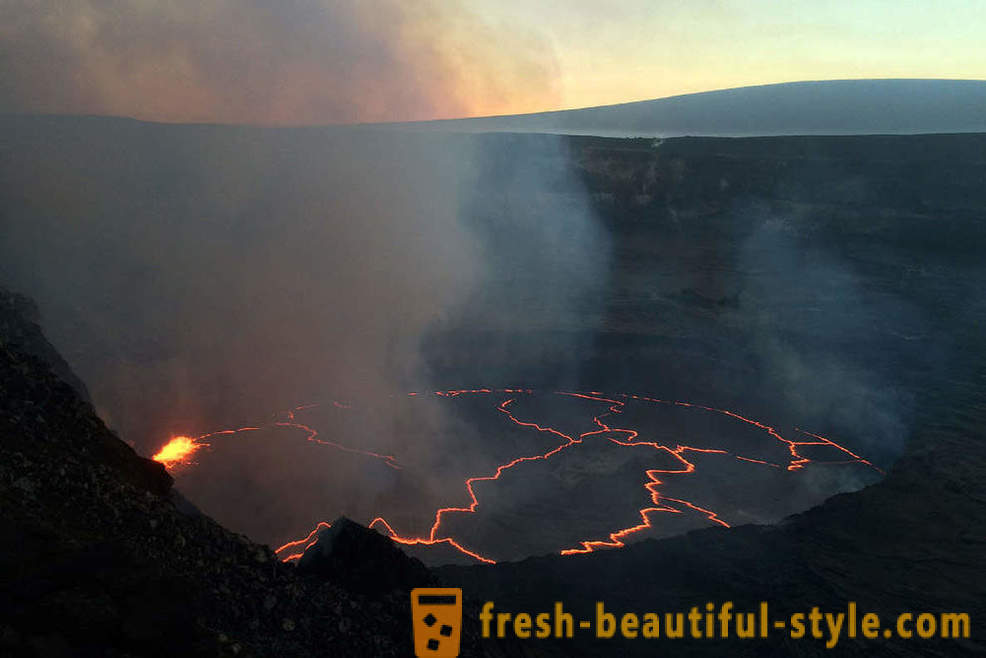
(200, 278)
(268, 61)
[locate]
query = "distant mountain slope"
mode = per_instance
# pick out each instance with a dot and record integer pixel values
(838, 107)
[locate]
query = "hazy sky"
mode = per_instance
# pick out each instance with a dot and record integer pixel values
(326, 61)
(608, 52)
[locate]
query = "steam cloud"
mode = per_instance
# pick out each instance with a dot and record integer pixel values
(199, 278)
(268, 61)
(822, 374)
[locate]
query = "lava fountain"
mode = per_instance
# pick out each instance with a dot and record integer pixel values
(178, 451)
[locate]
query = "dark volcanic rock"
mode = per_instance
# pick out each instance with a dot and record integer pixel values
(363, 560)
(19, 326)
(40, 390)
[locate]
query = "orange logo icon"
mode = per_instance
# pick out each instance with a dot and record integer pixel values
(436, 614)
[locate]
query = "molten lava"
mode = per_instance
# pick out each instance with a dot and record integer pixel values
(177, 451)
(180, 449)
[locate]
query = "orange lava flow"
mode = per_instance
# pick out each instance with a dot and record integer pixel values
(614, 405)
(178, 451)
(660, 503)
(312, 435)
(616, 538)
(306, 542)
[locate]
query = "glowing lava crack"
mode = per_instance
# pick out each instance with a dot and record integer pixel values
(179, 451)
